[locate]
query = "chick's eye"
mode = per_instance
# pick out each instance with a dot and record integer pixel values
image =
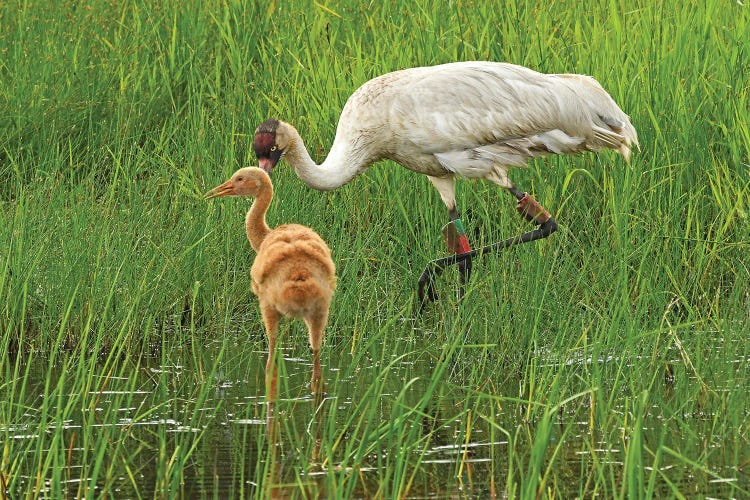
(239, 179)
(274, 148)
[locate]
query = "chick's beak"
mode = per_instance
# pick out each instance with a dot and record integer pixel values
(225, 189)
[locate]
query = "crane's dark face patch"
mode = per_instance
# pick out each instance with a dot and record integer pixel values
(264, 145)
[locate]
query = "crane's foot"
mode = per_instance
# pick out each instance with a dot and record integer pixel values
(528, 207)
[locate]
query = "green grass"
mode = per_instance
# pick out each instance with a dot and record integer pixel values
(609, 360)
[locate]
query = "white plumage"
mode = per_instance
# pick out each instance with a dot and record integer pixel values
(466, 119)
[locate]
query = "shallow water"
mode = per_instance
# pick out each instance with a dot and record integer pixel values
(241, 447)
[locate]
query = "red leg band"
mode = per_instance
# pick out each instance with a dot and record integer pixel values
(531, 210)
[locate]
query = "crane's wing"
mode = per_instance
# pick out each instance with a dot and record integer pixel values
(473, 117)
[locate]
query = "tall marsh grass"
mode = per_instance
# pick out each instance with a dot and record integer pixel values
(609, 360)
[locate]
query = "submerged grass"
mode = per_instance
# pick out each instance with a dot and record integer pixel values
(610, 360)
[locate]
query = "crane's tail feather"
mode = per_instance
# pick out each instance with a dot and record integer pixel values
(619, 137)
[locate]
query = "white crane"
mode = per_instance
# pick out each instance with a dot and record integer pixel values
(467, 119)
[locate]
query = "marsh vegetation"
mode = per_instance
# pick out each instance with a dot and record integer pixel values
(609, 360)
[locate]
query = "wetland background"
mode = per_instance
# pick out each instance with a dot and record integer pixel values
(610, 360)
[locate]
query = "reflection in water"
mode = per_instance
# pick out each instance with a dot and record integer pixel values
(236, 443)
(274, 486)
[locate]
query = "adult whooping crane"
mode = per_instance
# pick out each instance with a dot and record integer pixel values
(467, 119)
(293, 274)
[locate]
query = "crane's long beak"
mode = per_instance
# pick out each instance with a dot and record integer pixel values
(266, 164)
(225, 189)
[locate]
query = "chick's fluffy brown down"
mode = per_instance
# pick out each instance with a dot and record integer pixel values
(293, 272)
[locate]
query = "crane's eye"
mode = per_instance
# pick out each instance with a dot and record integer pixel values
(274, 148)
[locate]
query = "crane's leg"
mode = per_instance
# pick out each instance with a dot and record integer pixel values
(316, 325)
(532, 211)
(458, 243)
(271, 318)
(453, 232)
(527, 206)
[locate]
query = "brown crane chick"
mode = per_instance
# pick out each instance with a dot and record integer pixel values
(293, 274)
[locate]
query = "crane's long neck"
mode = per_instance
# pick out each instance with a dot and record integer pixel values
(343, 163)
(255, 221)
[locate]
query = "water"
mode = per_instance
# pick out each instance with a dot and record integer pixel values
(216, 430)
